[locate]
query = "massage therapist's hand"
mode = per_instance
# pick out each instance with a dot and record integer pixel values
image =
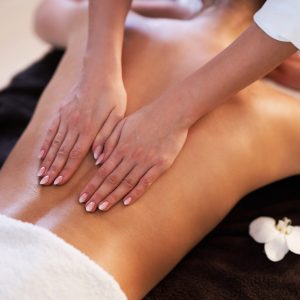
(86, 117)
(141, 148)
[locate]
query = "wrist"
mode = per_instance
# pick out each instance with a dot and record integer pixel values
(103, 73)
(176, 107)
(169, 113)
(93, 87)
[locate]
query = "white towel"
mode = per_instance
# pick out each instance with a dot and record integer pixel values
(37, 264)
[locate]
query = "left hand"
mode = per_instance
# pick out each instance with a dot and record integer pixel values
(141, 148)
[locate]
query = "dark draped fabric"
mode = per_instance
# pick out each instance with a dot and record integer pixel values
(227, 264)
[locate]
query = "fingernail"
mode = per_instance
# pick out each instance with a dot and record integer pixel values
(90, 207)
(41, 154)
(44, 180)
(127, 201)
(103, 205)
(41, 171)
(58, 180)
(98, 162)
(83, 198)
(97, 152)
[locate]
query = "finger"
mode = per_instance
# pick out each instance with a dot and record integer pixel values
(75, 158)
(97, 180)
(52, 131)
(110, 143)
(127, 184)
(61, 158)
(110, 183)
(145, 182)
(106, 130)
(47, 162)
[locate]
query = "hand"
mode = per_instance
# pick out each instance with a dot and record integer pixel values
(140, 149)
(85, 114)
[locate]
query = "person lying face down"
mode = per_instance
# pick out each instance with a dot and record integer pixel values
(140, 244)
(135, 163)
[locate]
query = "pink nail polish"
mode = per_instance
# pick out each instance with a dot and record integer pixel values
(83, 198)
(100, 159)
(103, 206)
(127, 201)
(97, 152)
(58, 180)
(44, 180)
(41, 154)
(90, 207)
(41, 171)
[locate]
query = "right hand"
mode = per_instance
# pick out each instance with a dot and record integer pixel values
(86, 117)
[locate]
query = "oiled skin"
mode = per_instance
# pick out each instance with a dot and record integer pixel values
(248, 142)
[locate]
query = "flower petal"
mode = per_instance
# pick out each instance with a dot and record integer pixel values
(262, 229)
(277, 248)
(293, 240)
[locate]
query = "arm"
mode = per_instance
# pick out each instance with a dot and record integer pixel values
(250, 57)
(97, 101)
(149, 140)
(105, 38)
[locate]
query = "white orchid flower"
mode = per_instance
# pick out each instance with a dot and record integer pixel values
(278, 238)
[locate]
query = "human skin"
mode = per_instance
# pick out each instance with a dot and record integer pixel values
(288, 73)
(145, 145)
(248, 142)
(99, 85)
(136, 151)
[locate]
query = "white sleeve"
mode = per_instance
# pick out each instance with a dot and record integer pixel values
(280, 19)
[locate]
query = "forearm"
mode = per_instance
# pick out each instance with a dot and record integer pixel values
(105, 36)
(250, 57)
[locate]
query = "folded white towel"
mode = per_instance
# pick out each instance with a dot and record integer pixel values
(36, 264)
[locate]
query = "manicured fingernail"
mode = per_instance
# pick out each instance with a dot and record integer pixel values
(83, 198)
(97, 152)
(103, 205)
(90, 207)
(44, 180)
(99, 160)
(41, 154)
(41, 171)
(127, 201)
(58, 180)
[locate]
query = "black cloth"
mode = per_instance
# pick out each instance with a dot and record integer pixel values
(227, 264)
(18, 100)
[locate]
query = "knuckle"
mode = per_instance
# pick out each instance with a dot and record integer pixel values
(50, 131)
(76, 153)
(129, 183)
(46, 144)
(146, 181)
(112, 179)
(137, 192)
(62, 152)
(54, 169)
(56, 141)
(121, 151)
(163, 162)
(102, 172)
(138, 154)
